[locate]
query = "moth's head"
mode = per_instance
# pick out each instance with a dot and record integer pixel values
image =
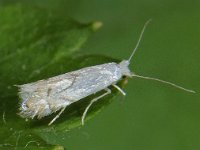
(124, 67)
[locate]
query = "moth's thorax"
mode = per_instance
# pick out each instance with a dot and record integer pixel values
(124, 67)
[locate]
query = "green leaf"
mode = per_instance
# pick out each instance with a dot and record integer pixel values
(37, 44)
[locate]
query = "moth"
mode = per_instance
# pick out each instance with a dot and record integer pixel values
(44, 97)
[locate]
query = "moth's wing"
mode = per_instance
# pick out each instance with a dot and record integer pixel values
(45, 87)
(91, 80)
(60, 83)
(40, 98)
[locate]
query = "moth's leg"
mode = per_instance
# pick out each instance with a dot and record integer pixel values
(119, 89)
(108, 91)
(57, 116)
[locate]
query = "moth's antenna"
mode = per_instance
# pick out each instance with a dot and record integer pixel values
(138, 42)
(165, 82)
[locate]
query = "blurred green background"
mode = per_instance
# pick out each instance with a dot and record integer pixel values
(152, 116)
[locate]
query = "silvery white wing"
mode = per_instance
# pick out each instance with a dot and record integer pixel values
(44, 97)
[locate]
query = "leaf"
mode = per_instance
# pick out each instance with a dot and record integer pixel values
(36, 44)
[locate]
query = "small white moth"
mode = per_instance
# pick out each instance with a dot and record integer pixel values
(45, 97)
